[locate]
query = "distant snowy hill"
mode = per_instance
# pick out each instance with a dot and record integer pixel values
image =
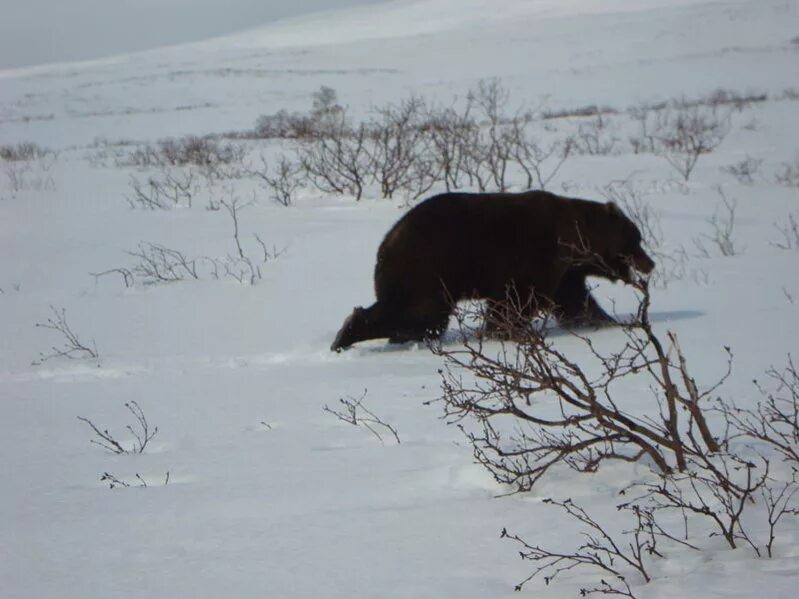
(41, 31)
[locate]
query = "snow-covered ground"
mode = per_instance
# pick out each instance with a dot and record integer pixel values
(269, 495)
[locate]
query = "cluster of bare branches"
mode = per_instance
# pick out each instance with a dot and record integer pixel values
(282, 182)
(159, 264)
(138, 481)
(206, 151)
(478, 142)
(241, 266)
(600, 551)
(27, 166)
(171, 188)
(789, 175)
(397, 134)
(596, 136)
(324, 116)
(25, 151)
(681, 131)
(72, 347)
(156, 264)
(355, 413)
(789, 233)
(745, 170)
(527, 407)
(585, 426)
(338, 163)
(475, 143)
(722, 224)
(140, 431)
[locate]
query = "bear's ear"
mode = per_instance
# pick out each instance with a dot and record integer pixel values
(613, 208)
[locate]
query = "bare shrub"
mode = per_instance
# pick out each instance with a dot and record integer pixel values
(491, 150)
(596, 137)
(159, 264)
(284, 125)
(126, 274)
(240, 266)
(744, 170)
(397, 149)
(526, 407)
(790, 93)
(169, 189)
(140, 431)
(283, 182)
(138, 481)
(450, 132)
(339, 163)
(25, 152)
(72, 347)
(775, 419)
(581, 111)
(356, 414)
(31, 174)
(723, 224)
(789, 175)
(589, 427)
(686, 131)
(17, 176)
(727, 97)
(601, 552)
(789, 231)
(645, 116)
(539, 162)
(324, 117)
(206, 151)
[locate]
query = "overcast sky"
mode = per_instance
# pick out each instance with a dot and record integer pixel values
(39, 31)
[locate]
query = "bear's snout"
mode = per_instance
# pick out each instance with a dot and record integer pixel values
(643, 263)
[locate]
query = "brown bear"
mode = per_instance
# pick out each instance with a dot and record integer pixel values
(457, 246)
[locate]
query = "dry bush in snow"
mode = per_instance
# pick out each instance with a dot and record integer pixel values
(339, 163)
(325, 116)
(596, 137)
(25, 151)
(526, 407)
(140, 432)
(192, 150)
(355, 413)
(27, 167)
(789, 175)
(170, 188)
(686, 131)
(397, 149)
(723, 226)
(789, 233)
(282, 182)
(71, 347)
(744, 170)
(137, 481)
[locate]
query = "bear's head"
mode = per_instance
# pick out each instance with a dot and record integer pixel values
(623, 253)
(353, 330)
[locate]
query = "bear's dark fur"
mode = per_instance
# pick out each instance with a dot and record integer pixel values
(458, 246)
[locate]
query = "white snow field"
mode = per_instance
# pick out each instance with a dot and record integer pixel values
(268, 495)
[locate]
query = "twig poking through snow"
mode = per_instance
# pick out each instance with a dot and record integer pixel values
(356, 414)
